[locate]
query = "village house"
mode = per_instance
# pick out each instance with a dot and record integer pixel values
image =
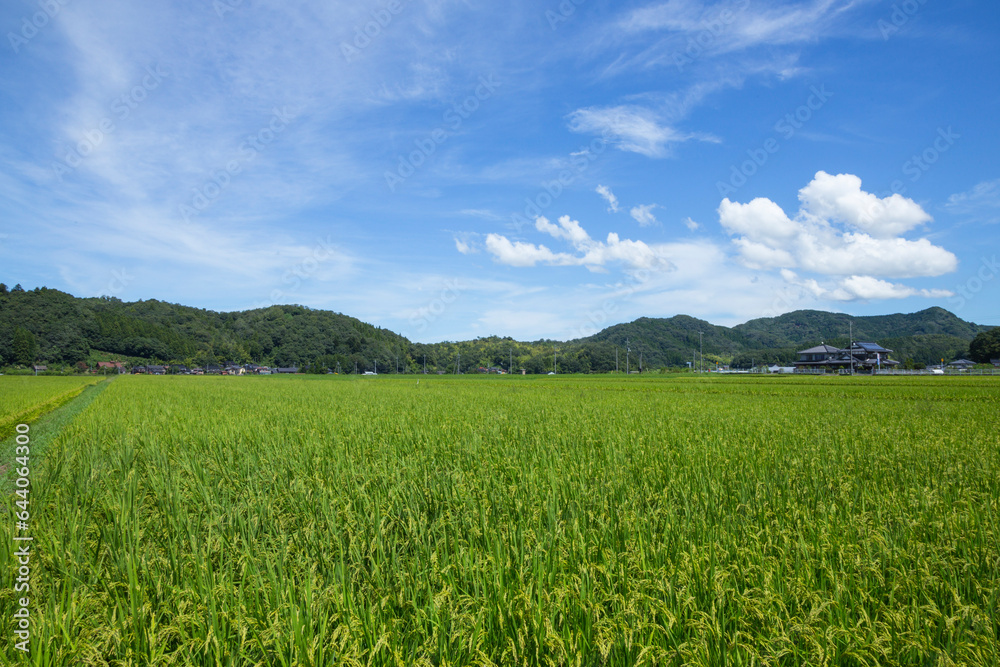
(863, 357)
(111, 365)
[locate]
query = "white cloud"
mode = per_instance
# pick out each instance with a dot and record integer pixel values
(643, 214)
(738, 25)
(481, 213)
(594, 255)
(981, 203)
(761, 221)
(867, 287)
(633, 129)
(840, 198)
(761, 256)
(864, 288)
(517, 253)
(830, 236)
(691, 224)
(567, 229)
(609, 197)
(464, 246)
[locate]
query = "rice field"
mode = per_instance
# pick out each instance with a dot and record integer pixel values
(25, 397)
(518, 521)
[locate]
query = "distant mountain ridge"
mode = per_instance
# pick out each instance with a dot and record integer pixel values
(47, 325)
(926, 336)
(804, 326)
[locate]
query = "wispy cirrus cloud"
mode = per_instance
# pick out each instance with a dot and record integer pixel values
(636, 129)
(736, 25)
(609, 197)
(980, 204)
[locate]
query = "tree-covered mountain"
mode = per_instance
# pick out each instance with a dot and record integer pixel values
(69, 330)
(50, 326)
(925, 336)
(805, 326)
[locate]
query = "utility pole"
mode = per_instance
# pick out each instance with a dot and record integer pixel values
(627, 351)
(701, 362)
(554, 359)
(425, 364)
(850, 343)
(616, 358)
(510, 361)
(458, 366)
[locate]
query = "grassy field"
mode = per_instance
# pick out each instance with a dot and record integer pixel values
(518, 521)
(24, 398)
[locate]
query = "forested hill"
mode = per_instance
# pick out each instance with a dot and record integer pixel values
(62, 328)
(49, 326)
(804, 326)
(926, 336)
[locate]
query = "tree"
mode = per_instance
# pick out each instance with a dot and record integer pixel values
(24, 346)
(986, 346)
(17, 289)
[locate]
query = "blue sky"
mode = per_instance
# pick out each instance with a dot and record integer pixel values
(535, 169)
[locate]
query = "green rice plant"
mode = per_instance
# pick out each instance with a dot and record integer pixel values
(520, 521)
(24, 398)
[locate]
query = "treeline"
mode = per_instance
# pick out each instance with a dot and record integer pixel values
(49, 326)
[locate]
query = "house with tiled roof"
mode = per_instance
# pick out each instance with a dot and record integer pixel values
(862, 357)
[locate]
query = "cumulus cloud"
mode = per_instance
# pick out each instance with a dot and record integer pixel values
(643, 214)
(863, 288)
(517, 253)
(840, 232)
(867, 287)
(840, 198)
(593, 254)
(609, 197)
